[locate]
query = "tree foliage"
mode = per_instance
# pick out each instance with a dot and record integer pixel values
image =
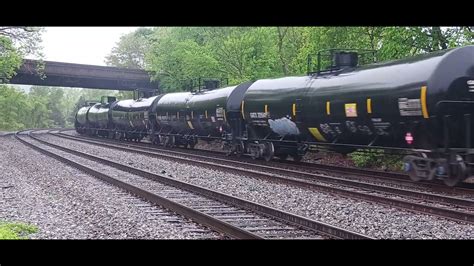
(130, 50)
(15, 43)
(44, 107)
(27, 40)
(10, 60)
(179, 54)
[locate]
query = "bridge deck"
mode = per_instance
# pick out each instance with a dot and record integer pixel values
(84, 76)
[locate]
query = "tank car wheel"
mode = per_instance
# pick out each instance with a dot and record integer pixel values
(269, 151)
(227, 149)
(165, 141)
(410, 168)
(297, 158)
(171, 141)
(457, 173)
(239, 149)
(192, 144)
(412, 174)
(283, 157)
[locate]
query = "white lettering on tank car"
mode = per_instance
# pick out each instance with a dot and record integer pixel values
(470, 84)
(352, 126)
(364, 129)
(326, 128)
(259, 115)
(336, 127)
(381, 127)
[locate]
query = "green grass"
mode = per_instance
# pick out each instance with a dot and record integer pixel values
(16, 230)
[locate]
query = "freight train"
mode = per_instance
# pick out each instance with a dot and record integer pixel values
(421, 106)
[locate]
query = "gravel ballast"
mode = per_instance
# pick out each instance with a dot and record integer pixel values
(65, 203)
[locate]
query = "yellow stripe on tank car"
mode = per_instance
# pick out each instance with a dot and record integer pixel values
(190, 125)
(266, 108)
(293, 109)
(206, 113)
(242, 109)
(315, 132)
(328, 107)
(225, 116)
(369, 106)
(424, 108)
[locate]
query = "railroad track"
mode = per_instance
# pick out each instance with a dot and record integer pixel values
(453, 208)
(368, 175)
(231, 216)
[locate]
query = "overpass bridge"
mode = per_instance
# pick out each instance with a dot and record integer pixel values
(85, 76)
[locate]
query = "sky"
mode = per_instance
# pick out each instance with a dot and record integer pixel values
(82, 45)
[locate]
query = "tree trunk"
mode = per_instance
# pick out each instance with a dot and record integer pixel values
(281, 36)
(439, 40)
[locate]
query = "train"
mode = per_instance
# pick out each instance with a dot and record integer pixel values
(421, 107)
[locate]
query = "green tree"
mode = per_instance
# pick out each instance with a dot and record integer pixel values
(130, 50)
(14, 108)
(10, 59)
(177, 62)
(52, 99)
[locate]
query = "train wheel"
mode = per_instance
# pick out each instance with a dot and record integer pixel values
(192, 143)
(227, 149)
(283, 156)
(239, 149)
(410, 168)
(269, 151)
(297, 158)
(457, 174)
(162, 140)
(412, 172)
(185, 144)
(171, 141)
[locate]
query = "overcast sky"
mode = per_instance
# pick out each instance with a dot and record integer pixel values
(82, 45)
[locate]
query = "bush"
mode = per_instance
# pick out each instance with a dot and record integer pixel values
(377, 159)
